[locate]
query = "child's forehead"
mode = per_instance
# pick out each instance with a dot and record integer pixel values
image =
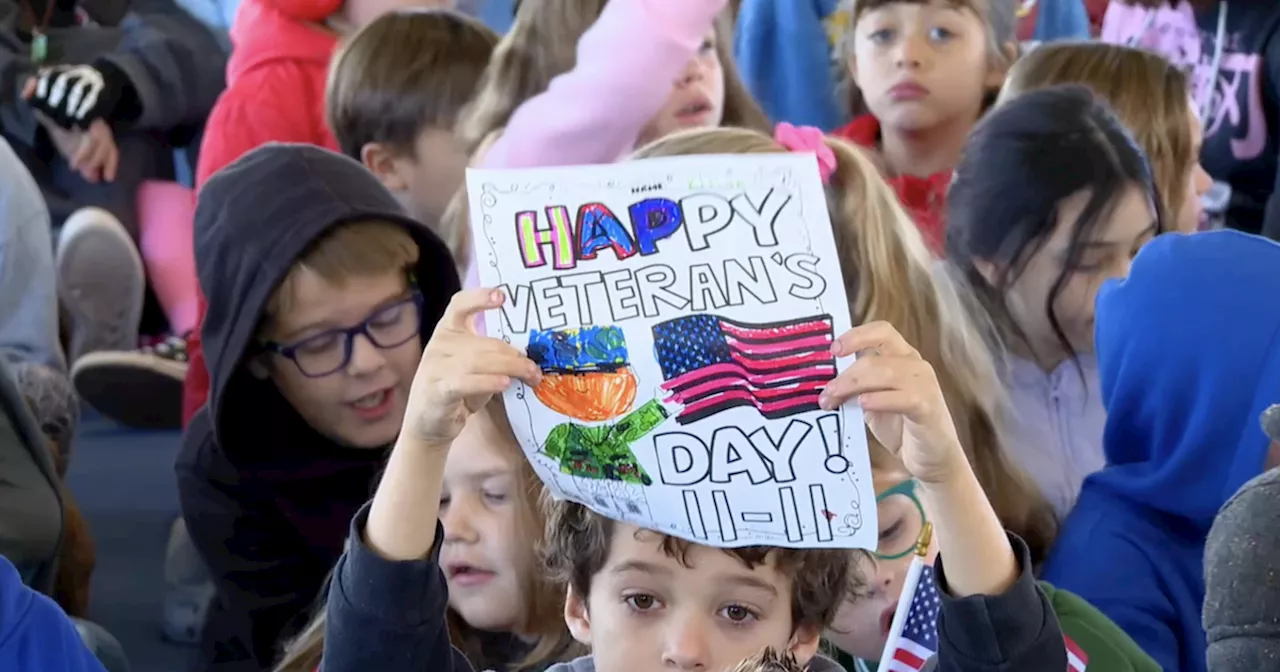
(978, 7)
(639, 551)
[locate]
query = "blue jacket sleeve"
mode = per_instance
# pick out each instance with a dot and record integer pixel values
(34, 632)
(784, 55)
(1132, 598)
(388, 616)
(1062, 20)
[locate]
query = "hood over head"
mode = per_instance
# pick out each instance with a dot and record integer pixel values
(1189, 357)
(254, 219)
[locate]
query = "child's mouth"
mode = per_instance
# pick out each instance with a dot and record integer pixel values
(466, 575)
(886, 621)
(373, 406)
(694, 111)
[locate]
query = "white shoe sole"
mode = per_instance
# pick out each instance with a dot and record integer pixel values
(101, 282)
(137, 390)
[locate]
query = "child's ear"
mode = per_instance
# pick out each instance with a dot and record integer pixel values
(1000, 67)
(804, 643)
(384, 165)
(577, 618)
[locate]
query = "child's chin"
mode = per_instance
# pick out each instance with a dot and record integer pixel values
(367, 436)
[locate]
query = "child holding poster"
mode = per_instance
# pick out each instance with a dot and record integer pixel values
(643, 600)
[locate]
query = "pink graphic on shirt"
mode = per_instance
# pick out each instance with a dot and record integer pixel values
(1232, 96)
(1248, 126)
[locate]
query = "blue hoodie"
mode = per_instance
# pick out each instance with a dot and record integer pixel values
(783, 53)
(35, 635)
(1189, 357)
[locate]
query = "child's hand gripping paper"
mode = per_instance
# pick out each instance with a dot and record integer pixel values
(461, 370)
(906, 412)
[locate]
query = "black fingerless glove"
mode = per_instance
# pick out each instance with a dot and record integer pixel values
(74, 96)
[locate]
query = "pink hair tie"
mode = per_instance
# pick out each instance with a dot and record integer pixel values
(808, 139)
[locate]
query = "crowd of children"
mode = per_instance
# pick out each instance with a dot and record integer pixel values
(1067, 377)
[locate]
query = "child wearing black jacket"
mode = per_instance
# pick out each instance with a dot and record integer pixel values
(388, 597)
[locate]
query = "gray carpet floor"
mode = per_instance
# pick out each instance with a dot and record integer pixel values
(124, 483)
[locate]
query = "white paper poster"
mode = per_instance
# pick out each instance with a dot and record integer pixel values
(682, 311)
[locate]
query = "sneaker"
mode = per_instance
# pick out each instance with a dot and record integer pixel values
(140, 389)
(52, 400)
(101, 283)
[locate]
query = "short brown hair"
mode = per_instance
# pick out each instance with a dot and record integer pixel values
(1150, 96)
(404, 72)
(578, 541)
(359, 248)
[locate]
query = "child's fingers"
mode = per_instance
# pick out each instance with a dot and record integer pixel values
(477, 384)
(869, 374)
(111, 160)
(896, 402)
(465, 305)
(472, 346)
(511, 363)
(879, 336)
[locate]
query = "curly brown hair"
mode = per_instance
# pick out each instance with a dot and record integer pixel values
(578, 540)
(770, 660)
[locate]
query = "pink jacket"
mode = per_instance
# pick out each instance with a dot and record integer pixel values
(594, 113)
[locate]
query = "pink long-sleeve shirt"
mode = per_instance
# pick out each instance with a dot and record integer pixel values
(594, 113)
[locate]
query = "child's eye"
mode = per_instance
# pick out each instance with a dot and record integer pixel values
(881, 36)
(496, 497)
(318, 344)
(641, 602)
(891, 531)
(941, 34)
(738, 613)
(707, 47)
(388, 317)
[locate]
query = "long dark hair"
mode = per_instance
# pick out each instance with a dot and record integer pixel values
(1020, 163)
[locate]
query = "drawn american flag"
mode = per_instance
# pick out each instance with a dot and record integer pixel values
(711, 364)
(919, 640)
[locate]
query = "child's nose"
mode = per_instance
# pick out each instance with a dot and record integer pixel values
(687, 647)
(910, 52)
(694, 71)
(456, 520)
(365, 356)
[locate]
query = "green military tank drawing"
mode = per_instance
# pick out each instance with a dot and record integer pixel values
(604, 451)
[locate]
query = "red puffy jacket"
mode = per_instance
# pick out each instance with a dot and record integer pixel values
(275, 93)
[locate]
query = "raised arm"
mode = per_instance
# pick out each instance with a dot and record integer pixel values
(388, 598)
(626, 64)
